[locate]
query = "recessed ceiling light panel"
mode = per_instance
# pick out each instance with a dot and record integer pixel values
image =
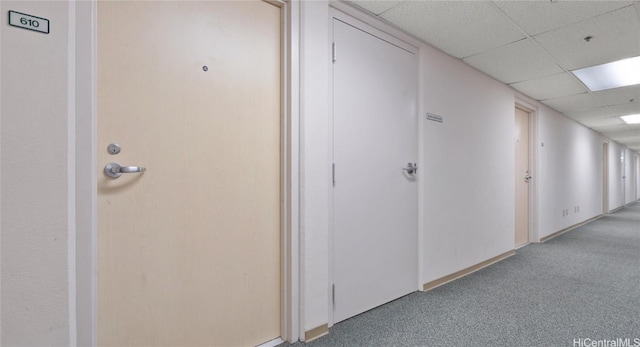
(631, 119)
(616, 74)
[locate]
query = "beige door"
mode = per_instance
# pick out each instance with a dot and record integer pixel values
(636, 170)
(605, 178)
(189, 251)
(522, 177)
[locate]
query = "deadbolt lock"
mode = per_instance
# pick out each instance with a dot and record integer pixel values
(113, 148)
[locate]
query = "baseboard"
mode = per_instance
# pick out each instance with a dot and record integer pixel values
(616, 209)
(454, 276)
(272, 343)
(316, 333)
(560, 232)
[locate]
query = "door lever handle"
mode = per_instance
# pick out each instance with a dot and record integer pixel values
(411, 168)
(115, 170)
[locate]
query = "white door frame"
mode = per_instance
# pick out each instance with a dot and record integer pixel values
(533, 167)
(82, 143)
(358, 19)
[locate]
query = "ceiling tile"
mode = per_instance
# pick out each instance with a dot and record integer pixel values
(376, 7)
(573, 103)
(549, 87)
(460, 28)
(616, 35)
(621, 132)
(619, 95)
(632, 144)
(629, 141)
(604, 112)
(599, 112)
(602, 122)
(515, 62)
(484, 34)
(536, 17)
(624, 134)
(626, 109)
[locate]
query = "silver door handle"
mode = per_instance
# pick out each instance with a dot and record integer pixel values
(411, 168)
(115, 170)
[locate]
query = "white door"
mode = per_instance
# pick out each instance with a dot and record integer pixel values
(189, 250)
(374, 200)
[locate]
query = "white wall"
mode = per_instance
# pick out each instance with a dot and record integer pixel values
(468, 166)
(468, 162)
(34, 142)
(314, 162)
(569, 172)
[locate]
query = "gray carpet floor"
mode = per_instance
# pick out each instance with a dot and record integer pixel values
(582, 284)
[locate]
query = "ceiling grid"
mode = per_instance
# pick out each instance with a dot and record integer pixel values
(533, 46)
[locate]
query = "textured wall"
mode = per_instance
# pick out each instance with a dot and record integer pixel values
(34, 188)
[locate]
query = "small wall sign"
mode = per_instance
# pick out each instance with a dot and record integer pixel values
(434, 117)
(29, 22)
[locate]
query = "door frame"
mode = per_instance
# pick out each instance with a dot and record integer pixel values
(533, 167)
(83, 171)
(352, 16)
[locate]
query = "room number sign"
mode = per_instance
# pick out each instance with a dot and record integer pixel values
(29, 22)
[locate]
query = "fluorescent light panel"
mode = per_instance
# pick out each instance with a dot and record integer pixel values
(616, 74)
(631, 119)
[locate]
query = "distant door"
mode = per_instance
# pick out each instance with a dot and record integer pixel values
(375, 195)
(605, 178)
(623, 173)
(189, 250)
(522, 177)
(636, 177)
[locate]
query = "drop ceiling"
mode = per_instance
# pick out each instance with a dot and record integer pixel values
(532, 46)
